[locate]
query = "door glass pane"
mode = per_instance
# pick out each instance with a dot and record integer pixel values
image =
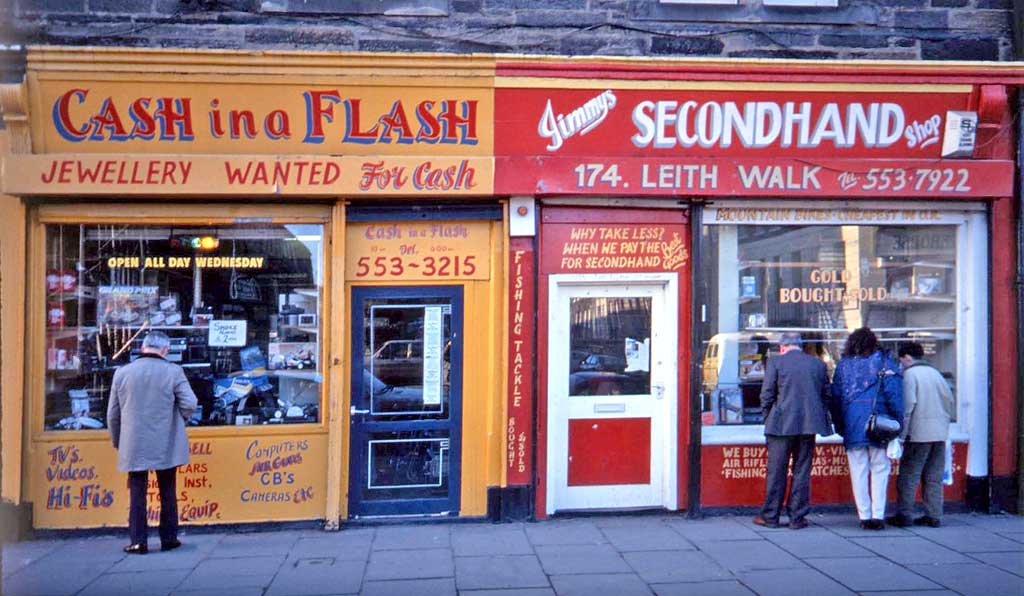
(407, 465)
(406, 361)
(610, 346)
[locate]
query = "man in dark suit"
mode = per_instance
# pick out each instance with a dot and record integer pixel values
(794, 399)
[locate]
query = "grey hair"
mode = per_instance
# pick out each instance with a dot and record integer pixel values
(791, 338)
(156, 341)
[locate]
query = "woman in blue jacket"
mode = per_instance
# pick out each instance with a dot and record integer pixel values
(866, 375)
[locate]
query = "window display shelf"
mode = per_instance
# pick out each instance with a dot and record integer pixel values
(302, 328)
(304, 375)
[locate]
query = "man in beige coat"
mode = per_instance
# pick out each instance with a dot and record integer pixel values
(150, 400)
(929, 410)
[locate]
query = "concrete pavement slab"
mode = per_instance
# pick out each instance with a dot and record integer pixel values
(716, 588)
(315, 576)
(712, 529)
(620, 584)
(751, 556)
(492, 541)
(413, 537)
(974, 579)
(645, 537)
(339, 545)
(1011, 562)
(1015, 536)
(19, 555)
(250, 591)
(53, 577)
(915, 593)
(406, 564)
(499, 572)
(866, 574)
(229, 574)
(792, 582)
(910, 550)
(420, 587)
(1003, 522)
(255, 544)
(513, 592)
(152, 583)
(581, 558)
(816, 542)
(564, 532)
(671, 566)
(971, 540)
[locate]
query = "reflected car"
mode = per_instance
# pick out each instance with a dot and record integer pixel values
(603, 362)
(393, 398)
(609, 383)
(398, 362)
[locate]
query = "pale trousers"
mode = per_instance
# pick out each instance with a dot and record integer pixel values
(873, 463)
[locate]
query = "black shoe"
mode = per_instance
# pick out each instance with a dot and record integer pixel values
(173, 544)
(764, 523)
(926, 520)
(872, 524)
(798, 524)
(899, 521)
(140, 548)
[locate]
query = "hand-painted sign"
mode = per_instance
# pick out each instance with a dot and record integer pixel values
(433, 251)
(519, 424)
(606, 248)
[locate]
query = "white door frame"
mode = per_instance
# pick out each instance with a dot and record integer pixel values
(557, 417)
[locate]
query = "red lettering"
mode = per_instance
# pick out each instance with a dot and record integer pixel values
(145, 125)
(317, 112)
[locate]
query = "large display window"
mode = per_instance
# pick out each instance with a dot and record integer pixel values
(823, 272)
(241, 303)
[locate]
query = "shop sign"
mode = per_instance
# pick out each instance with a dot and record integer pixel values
(816, 215)
(605, 248)
(657, 142)
(734, 475)
(236, 479)
(434, 251)
(156, 117)
(518, 432)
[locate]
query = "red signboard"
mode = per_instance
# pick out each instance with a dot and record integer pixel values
(723, 143)
(611, 248)
(518, 448)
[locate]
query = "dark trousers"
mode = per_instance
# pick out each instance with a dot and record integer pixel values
(922, 463)
(781, 450)
(137, 488)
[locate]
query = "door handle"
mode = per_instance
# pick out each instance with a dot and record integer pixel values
(658, 389)
(353, 411)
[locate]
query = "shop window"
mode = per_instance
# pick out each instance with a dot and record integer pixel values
(821, 281)
(610, 346)
(241, 304)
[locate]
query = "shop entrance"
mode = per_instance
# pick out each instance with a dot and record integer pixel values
(406, 400)
(612, 384)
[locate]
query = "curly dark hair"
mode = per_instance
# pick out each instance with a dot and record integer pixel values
(862, 342)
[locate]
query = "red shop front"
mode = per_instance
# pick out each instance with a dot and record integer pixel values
(678, 217)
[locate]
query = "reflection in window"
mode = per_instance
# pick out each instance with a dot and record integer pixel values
(822, 281)
(610, 346)
(408, 465)
(241, 305)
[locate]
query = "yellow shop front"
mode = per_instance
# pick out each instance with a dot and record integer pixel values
(290, 222)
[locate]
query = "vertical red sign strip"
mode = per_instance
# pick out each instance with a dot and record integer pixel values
(521, 331)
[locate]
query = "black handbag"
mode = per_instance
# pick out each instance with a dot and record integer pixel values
(882, 428)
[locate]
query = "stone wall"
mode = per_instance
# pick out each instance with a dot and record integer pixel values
(857, 29)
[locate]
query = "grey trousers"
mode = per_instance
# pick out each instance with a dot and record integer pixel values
(781, 450)
(922, 463)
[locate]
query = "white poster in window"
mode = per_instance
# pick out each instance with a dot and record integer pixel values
(227, 334)
(638, 355)
(433, 324)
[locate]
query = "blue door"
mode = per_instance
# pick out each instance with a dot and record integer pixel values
(406, 400)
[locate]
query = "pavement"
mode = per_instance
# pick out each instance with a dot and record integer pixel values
(615, 555)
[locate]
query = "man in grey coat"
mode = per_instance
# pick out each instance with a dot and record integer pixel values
(929, 407)
(150, 400)
(794, 400)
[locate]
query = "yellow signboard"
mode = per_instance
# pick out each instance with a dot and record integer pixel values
(432, 251)
(326, 118)
(229, 479)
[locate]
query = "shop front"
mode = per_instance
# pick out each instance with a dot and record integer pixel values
(816, 201)
(344, 335)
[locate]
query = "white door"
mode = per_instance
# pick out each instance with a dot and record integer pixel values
(612, 375)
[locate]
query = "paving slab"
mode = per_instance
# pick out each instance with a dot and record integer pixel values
(413, 537)
(866, 574)
(911, 550)
(98, 550)
(1015, 536)
(229, 574)
(750, 556)
(257, 544)
(1011, 562)
(716, 588)
(792, 582)
(403, 564)
(973, 579)
(645, 537)
(971, 540)
(620, 584)
(914, 593)
(816, 542)
(420, 587)
(849, 527)
(713, 529)
(342, 546)
(493, 541)
(19, 555)
(187, 556)
(672, 566)
(581, 558)
(564, 532)
(499, 572)
(151, 583)
(250, 591)
(322, 575)
(513, 592)
(53, 577)
(1002, 522)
